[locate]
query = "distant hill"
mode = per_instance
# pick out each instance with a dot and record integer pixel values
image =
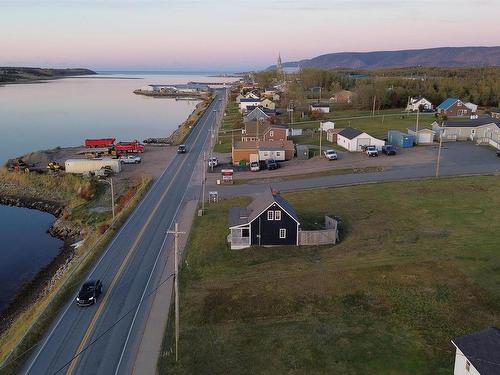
(23, 74)
(435, 57)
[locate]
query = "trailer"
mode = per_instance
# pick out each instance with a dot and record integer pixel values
(83, 166)
(400, 139)
(125, 147)
(101, 142)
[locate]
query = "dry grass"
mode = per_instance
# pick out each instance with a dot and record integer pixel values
(417, 265)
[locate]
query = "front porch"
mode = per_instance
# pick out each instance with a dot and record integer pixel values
(239, 238)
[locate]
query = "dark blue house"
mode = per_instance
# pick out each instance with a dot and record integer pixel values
(268, 221)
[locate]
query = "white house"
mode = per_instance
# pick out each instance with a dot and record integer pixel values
(251, 95)
(323, 108)
(478, 353)
(424, 136)
(353, 139)
(247, 102)
(419, 103)
(326, 125)
(472, 107)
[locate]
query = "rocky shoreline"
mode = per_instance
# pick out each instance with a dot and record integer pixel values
(68, 232)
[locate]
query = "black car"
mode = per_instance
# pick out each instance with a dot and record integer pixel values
(271, 164)
(498, 153)
(89, 292)
(389, 150)
(181, 149)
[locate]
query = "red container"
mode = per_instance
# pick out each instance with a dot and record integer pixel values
(101, 142)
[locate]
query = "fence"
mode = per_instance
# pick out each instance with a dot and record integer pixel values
(327, 236)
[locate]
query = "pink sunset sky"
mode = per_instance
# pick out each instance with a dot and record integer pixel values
(230, 35)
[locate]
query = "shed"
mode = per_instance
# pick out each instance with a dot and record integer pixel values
(424, 136)
(400, 139)
(302, 152)
(331, 135)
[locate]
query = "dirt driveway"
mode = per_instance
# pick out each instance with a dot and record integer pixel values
(346, 160)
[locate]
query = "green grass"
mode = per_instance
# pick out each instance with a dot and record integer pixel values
(418, 264)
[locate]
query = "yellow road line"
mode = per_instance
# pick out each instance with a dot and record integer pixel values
(86, 337)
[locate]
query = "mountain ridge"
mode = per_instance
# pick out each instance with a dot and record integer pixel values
(428, 57)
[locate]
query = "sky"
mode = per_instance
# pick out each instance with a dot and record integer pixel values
(230, 35)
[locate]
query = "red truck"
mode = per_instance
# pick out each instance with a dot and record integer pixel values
(134, 146)
(102, 142)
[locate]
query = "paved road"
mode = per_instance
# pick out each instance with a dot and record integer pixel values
(456, 159)
(108, 333)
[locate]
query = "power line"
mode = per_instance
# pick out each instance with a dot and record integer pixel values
(111, 327)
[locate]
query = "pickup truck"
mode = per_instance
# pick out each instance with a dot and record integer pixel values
(371, 151)
(130, 159)
(389, 150)
(330, 154)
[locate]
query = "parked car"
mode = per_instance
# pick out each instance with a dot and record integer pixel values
(254, 166)
(130, 159)
(498, 153)
(213, 162)
(330, 154)
(371, 151)
(389, 150)
(181, 149)
(89, 292)
(272, 164)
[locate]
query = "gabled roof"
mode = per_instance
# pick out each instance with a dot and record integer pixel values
(259, 205)
(249, 100)
(256, 111)
(448, 103)
(472, 123)
(482, 349)
(350, 133)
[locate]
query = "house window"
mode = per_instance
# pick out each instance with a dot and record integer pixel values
(245, 232)
(278, 153)
(282, 233)
(271, 133)
(277, 215)
(270, 215)
(467, 365)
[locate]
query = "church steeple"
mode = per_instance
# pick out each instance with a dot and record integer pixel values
(279, 68)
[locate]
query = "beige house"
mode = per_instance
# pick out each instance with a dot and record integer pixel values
(478, 130)
(269, 104)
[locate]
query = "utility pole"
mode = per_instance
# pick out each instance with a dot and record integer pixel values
(176, 285)
(112, 197)
(204, 182)
(416, 127)
(320, 136)
(373, 110)
(439, 152)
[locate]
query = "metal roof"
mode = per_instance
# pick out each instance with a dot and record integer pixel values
(472, 123)
(259, 205)
(482, 349)
(448, 103)
(350, 133)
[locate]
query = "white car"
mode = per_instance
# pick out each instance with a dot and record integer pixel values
(130, 159)
(213, 162)
(330, 154)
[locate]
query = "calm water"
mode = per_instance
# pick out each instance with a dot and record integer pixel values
(25, 247)
(63, 113)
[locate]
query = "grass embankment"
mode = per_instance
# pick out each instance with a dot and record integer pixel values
(28, 327)
(231, 121)
(417, 265)
(179, 135)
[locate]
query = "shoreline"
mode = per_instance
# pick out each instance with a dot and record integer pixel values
(28, 292)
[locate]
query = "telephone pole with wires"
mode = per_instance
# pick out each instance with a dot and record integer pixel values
(176, 285)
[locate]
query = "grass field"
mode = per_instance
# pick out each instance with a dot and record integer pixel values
(225, 139)
(376, 126)
(418, 264)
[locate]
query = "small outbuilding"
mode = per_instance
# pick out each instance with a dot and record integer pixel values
(423, 136)
(353, 139)
(321, 107)
(400, 139)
